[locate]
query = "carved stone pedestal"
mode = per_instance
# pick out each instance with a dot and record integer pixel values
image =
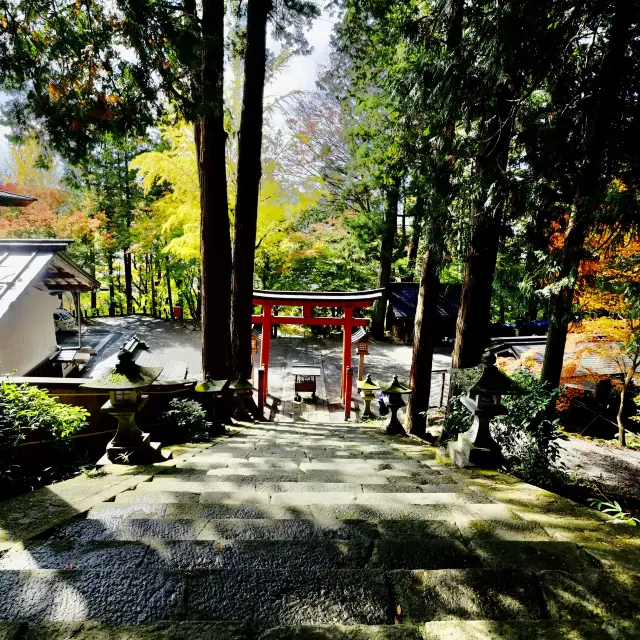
(476, 447)
(130, 445)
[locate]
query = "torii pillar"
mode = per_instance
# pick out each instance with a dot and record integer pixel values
(265, 344)
(346, 347)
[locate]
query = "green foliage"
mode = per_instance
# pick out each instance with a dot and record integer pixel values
(458, 420)
(529, 435)
(188, 419)
(29, 412)
(614, 511)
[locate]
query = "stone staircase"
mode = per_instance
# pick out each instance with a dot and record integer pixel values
(323, 532)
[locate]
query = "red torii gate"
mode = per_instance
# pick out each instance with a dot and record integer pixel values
(345, 300)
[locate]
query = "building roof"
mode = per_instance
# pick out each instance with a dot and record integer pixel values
(38, 262)
(403, 301)
(10, 199)
(589, 364)
(318, 298)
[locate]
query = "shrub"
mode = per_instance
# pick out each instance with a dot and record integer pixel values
(189, 420)
(27, 411)
(530, 434)
(458, 420)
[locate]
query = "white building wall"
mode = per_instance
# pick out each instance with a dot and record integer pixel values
(27, 332)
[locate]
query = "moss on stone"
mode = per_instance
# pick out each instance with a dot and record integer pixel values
(530, 630)
(342, 633)
(11, 630)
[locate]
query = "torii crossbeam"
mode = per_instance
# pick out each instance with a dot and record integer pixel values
(345, 300)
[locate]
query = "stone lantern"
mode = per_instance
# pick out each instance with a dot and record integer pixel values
(125, 384)
(244, 392)
(394, 391)
(362, 340)
(367, 389)
(213, 391)
(255, 341)
(256, 337)
(484, 385)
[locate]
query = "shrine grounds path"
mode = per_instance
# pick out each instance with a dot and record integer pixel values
(618, 471)
(311, 531)
(172, 341)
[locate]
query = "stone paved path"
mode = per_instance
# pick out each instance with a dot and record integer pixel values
(324, 532)
(385, 360)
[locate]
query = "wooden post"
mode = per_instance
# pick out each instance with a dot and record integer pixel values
(79, 317)
(346, 347)
(261, 394)
(265, 346)
(347, 393)
(361, 367)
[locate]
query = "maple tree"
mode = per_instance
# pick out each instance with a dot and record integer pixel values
(58, 212)
(607, 339)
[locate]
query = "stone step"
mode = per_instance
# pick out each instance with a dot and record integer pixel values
(103, 525)
(237, 529)
(356, 632)
(293, 555)
(254, 475)
(97, 631)
(457, 513)
(300, 498)
(174, 483)
(204, 472)
(375, 464)
(264, 598)
(240, 555)
(515, 594)
(532, 630)
(200, 631)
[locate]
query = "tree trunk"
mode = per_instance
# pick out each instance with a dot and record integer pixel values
(112, 293)
(199, 300)
(94, 294)
(215, 242)
(169, 296)
(588, 186)
(622, 433)
(249, 174)
(472, 326)
(153, 286)
(128, 281)
(386, 258)
(418, 214)
(423, 344)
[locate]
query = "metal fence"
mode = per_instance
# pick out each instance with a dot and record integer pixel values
(440, 379)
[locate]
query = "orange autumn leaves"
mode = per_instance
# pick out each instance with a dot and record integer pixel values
(56, 214)
(613, 264)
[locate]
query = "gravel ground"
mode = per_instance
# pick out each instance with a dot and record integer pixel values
(615, 469)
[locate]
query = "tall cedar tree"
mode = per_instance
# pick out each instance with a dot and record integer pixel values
(389, 230)
(72, 80)
(249, 174)
(288, 18)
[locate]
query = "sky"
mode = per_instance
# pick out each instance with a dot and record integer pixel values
(300, 73)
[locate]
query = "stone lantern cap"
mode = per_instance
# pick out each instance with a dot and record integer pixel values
(241, 384)
(211, 386)
(368, 384)
(125, 376)
(486, 378)
(362, 336)
(395, 386)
